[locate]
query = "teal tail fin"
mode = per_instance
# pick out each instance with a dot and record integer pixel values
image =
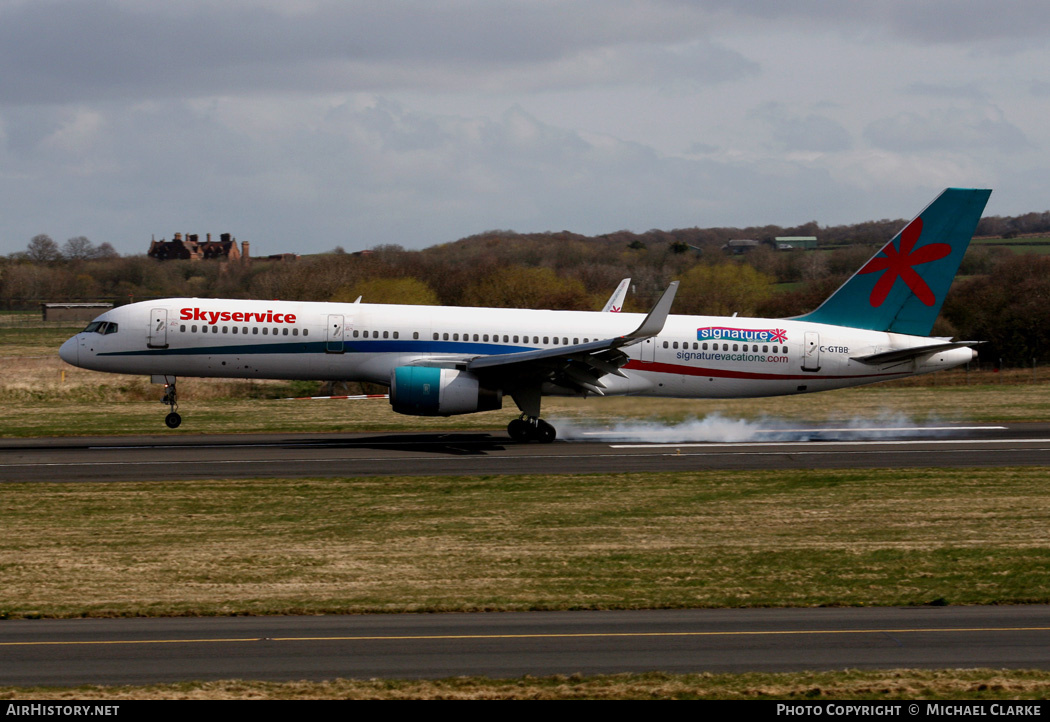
(902, 287)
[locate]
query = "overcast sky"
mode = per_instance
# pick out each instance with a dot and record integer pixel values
(300, 125)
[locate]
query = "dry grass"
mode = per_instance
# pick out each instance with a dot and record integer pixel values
(531, 542)
(907, 684)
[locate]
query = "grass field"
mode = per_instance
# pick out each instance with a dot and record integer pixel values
(408, 544)
(969, 684)
(1037, 245)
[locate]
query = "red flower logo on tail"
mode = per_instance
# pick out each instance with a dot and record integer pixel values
(900, 264)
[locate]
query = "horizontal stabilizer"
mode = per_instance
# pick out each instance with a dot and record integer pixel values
(906, 354)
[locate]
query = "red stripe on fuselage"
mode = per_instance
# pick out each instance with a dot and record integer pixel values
(663, 368)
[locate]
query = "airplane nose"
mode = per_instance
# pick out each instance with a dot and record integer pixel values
(70, 351)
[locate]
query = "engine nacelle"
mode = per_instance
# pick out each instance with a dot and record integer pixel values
(427, 391)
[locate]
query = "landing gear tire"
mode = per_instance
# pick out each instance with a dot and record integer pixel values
(518, 429)
(171, 399)
(525, 430)
(544, 432)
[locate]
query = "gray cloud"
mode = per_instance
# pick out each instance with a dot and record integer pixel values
(69, 51)
(932, 21)
(954, 129)
(967, 91)
(314, 123)
(365, 174)
(803, 133)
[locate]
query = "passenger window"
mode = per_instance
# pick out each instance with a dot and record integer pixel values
(285, 331)
(182, 328)
(255, 330)
(295, 332)
(386, 334)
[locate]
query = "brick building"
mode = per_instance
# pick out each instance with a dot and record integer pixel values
(193, 249)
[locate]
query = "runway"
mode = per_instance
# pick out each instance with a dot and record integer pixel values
(508, 645)
(181, 457)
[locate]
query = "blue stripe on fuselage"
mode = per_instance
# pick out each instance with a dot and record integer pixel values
(320, 347)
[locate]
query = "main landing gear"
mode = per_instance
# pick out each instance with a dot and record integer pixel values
(530, 428)
(171, 398)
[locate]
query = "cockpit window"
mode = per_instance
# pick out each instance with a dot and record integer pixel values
(103, 327)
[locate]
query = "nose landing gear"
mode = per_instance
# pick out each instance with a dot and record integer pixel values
(171, 399)
(530, 428)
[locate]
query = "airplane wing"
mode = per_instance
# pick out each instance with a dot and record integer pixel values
(615, 302)
(906, 354)
(579, 366)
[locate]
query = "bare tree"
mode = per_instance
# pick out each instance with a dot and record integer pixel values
(42, 249)
(79, 248)
(105, 250)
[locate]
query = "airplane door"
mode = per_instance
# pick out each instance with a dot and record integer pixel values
(334, 334)
(157, 334)
(811, 352)
(648, 350)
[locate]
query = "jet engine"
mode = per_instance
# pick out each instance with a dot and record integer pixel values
(428, 391)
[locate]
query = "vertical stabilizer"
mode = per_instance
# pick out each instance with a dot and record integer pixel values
(901, 289)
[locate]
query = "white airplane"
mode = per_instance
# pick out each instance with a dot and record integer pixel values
(615, 302)
(440, 361)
